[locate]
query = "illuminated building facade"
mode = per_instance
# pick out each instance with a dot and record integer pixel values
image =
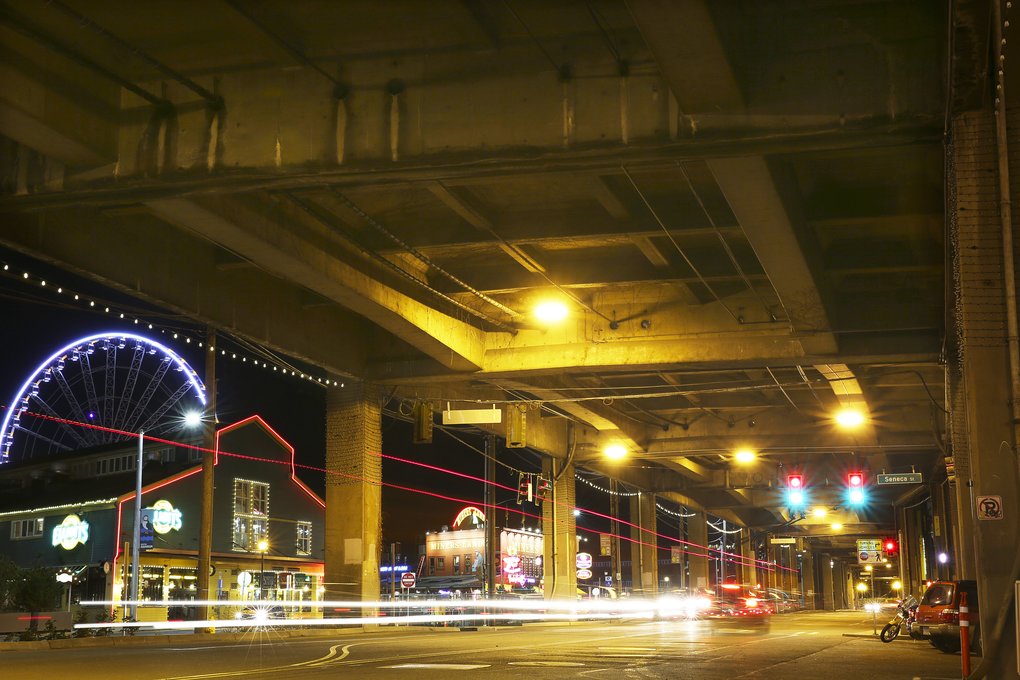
(86, 522)
(460, 552)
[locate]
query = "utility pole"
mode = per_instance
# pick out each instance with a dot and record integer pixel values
(490, 516)
(208, 481)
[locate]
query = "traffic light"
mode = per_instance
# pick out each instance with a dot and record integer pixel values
(524, 489)
(890, 546)
(795, 491)
(855, 488)
(422, 411)
(543, 489)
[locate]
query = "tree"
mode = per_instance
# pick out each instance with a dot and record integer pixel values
(9, 574)
(35, 591)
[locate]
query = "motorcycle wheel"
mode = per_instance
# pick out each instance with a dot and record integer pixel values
(890, 632)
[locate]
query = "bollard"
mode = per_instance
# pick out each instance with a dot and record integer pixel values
(964, 635)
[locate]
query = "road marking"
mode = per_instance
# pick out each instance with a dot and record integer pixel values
(330, 657)
(628, 649)
(321, 661)
(442, 666)
(558, 664)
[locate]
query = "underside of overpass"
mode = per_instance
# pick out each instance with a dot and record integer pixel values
(742, 204)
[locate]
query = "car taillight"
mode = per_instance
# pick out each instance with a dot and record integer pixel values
(752, 602)
(949, 616)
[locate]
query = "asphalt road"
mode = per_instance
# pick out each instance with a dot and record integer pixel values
(806, 646)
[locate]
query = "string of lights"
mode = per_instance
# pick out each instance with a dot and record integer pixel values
(725, 531)
(585, 480)
(667, 511)
(257, 356)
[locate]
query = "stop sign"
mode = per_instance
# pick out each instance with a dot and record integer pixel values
(407, 579)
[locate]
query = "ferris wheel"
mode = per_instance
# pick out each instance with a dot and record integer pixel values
(98, 390)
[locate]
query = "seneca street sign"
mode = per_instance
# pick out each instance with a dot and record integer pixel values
(902, 478)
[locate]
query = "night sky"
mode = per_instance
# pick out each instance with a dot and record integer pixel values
(38, 322)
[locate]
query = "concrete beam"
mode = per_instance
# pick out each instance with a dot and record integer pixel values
(285, 253)
(54, 106)
(173, 271)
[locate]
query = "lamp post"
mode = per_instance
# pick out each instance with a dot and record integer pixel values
(262, 547)
(191, 419)
(136, 535)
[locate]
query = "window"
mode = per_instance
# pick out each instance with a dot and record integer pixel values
(432, 566)
(442, 564)
(152, 583)
(456, 564)
(251, 514)
(304, 538)
(26, 528)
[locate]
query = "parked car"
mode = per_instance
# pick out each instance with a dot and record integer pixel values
(938, 616)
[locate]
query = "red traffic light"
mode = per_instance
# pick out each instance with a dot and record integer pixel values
(855, 480)
(891, 546)
(795, 481)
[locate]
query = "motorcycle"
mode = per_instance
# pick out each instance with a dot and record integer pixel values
(904, 614)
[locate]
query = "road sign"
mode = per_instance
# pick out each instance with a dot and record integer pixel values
(407, 579)
(989, 507)
(604, 545)
(902, 478)
(675, 556)
(780, 540)
(869, 545)
(869, 557)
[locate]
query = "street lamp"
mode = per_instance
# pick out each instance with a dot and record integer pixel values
(262, 547)
(191, 419)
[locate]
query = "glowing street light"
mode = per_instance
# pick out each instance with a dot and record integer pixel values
(550, 311)
(263, 547)
(615, 451)
(849, 418)
(745, 456)
(819, 512)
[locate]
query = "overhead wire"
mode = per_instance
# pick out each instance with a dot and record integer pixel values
(677, 246)
(722, 241)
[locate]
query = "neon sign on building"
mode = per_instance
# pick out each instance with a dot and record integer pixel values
(69, 533)
(165, 517)
(478, 517)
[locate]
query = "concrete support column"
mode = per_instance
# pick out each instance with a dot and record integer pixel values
(807, 565)
(826, 582)
(644, 552)
(984, 372)
(748, 573)
(559, 547)
(353, 492)
(697, 561)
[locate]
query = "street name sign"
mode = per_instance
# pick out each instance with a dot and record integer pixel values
(901, 478)
(780, 540)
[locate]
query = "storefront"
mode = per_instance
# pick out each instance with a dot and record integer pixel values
(460, 551)
(258, 503)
